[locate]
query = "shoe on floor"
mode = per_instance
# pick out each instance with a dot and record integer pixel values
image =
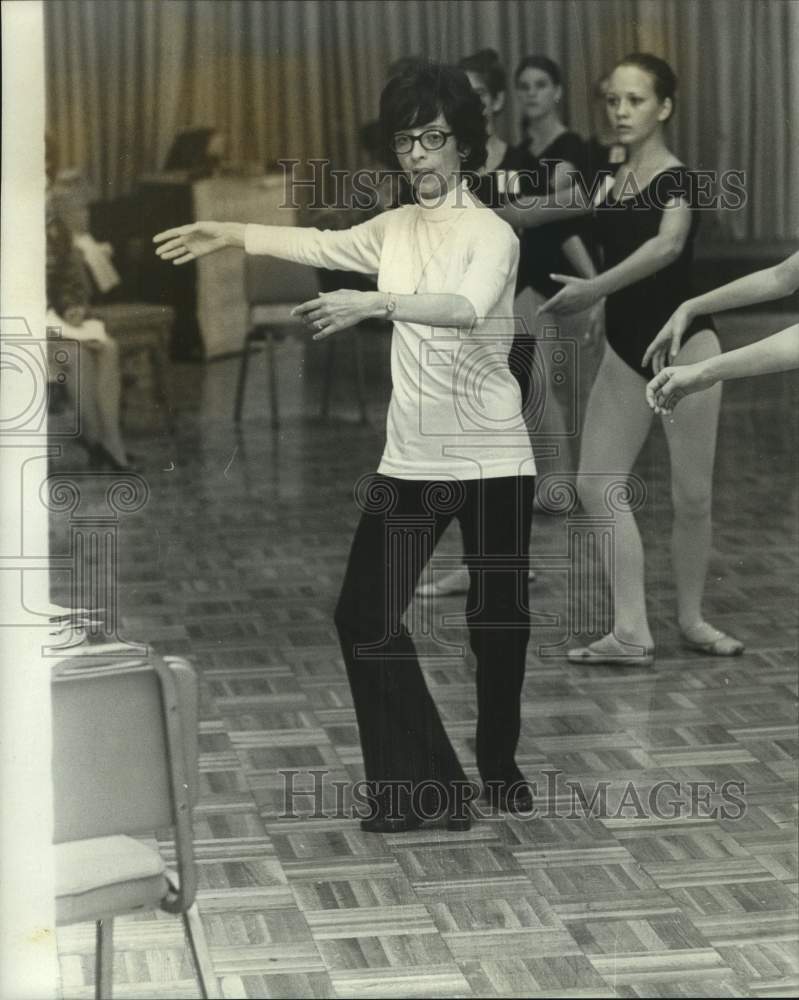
(635, 656)
(514, 796)
(704, 638)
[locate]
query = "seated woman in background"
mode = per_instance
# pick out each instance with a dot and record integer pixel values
(777, 353)
(91, 376)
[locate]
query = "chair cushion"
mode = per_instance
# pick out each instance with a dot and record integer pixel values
(119, 316)
(106, 876)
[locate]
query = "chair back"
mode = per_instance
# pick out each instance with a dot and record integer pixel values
(124, 747)
(271, 281)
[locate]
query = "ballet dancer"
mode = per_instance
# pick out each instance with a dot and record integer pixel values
(647, 226)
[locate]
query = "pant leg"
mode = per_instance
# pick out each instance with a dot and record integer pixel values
(402, 736)
(496, 534)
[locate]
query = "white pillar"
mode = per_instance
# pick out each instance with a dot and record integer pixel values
(28, 964)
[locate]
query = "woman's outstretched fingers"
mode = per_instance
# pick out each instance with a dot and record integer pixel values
(306, 307)
(171, 233)
(170, 250)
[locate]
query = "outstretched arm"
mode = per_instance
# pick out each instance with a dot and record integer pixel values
(354, 249)
(651, 257)
(777, 353)
(568, 200)
(762, 286)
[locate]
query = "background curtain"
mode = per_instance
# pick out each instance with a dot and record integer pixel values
(297, 79)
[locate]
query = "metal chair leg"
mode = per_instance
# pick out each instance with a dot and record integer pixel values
(200, 953)
(104, 959)
(272, 362)
(242, 381)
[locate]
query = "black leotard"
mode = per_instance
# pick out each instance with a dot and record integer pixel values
(635, 314)
(540, 251)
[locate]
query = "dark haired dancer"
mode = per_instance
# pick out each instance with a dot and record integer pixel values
(446, 270)
(550, 159)
(647, 226)
(488, 79)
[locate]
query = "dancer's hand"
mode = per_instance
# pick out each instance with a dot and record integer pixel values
(334, 311)
(669, 386)
(187, 243)
(666, 345)
(577, 294)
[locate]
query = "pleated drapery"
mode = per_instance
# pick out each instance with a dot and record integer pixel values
(297, 79)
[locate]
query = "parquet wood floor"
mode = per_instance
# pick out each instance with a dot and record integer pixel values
(235, 561)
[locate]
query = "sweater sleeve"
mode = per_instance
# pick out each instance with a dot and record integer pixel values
(493, 263)
(354, 249)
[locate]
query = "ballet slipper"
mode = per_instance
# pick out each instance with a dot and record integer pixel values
(639, 656)
(720, 644)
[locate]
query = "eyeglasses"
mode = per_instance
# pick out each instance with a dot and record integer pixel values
(431, 140)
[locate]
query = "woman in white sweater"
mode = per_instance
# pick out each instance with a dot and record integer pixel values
(456, 448)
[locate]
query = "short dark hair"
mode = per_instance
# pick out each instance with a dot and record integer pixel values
(486, 64)
(425, 91)
(404, 64)
(664, 79)
(544, 63)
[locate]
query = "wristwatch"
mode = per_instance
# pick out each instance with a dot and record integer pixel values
(391, 305)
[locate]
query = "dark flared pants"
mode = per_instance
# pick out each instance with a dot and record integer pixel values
(402, 736)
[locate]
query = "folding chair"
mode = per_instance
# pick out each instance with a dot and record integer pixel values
(273, 288)
(125, 766)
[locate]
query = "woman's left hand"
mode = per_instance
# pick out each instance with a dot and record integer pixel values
(334, 311)
(577, 294)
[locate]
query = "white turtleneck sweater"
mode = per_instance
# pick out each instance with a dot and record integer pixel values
(455, 407)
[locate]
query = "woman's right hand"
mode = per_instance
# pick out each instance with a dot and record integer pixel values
(670, 384)
(664, 348)
(187, 243)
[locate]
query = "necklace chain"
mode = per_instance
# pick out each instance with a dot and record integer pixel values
(435, 249)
